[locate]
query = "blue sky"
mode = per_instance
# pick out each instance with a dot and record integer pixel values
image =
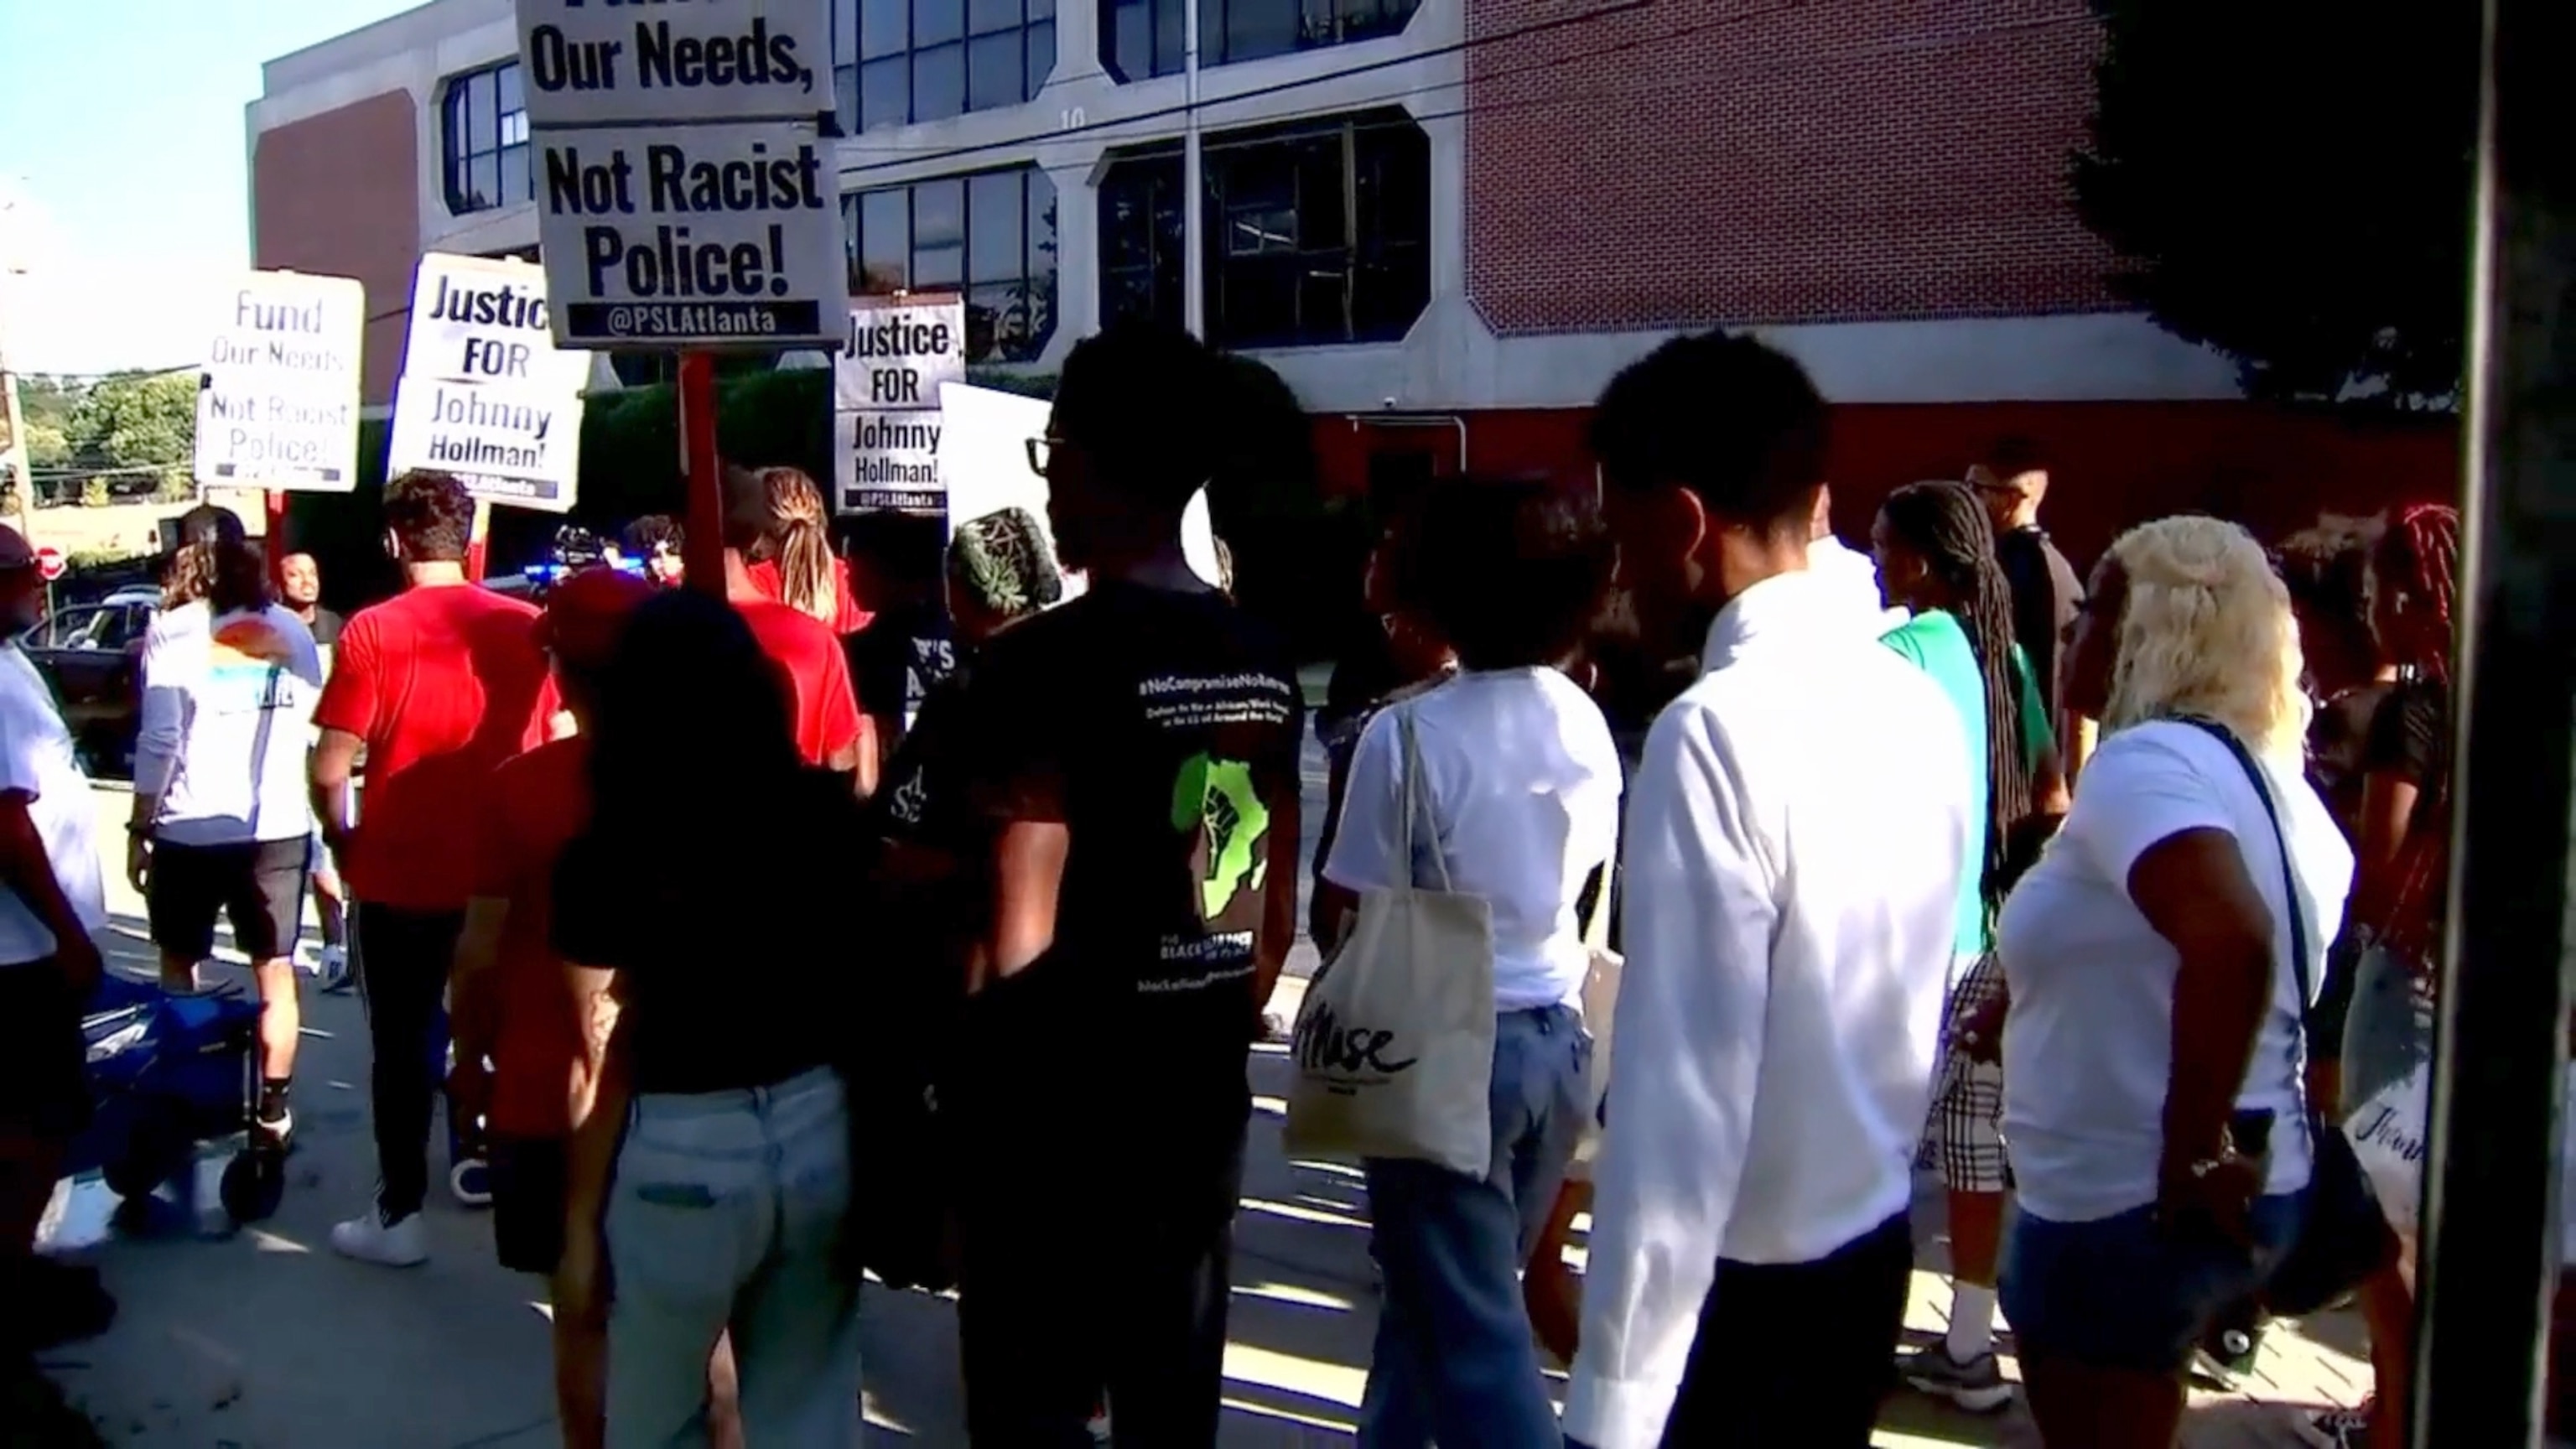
(125, 153)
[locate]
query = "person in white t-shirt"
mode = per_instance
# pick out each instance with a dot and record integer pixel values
(1797, 836)
(52, 902)
(2152, 1051)
(1518, 805)
(223, 822)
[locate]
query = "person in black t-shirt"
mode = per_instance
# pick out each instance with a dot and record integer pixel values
(2046, 589)
(1136, 754)
(711, 1181)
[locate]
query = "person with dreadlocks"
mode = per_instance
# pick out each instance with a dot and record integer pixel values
(2399, 893)
(1936, 557)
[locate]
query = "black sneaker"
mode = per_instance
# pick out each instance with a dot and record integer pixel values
(1977, 1386)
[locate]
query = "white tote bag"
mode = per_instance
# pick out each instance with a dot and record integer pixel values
(1394, 1047)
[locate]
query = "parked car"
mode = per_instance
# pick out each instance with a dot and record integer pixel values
(92, 654)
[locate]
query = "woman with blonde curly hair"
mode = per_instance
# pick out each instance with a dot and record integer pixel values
(2159, 959)
(796, 565)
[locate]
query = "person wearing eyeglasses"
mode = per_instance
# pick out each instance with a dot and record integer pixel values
(1137, 763)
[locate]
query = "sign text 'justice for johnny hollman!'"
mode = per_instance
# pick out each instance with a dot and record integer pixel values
(685, 194)
(485, 393)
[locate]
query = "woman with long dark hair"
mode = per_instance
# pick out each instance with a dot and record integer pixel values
(716, 1020)
(1936, 556)
(223, 822)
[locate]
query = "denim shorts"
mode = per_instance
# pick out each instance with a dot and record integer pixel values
(2123, 1292)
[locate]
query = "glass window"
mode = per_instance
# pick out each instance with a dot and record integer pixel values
(915, 63)
(484, 140)
(885, 27)
(997, 247)
(1041, 56)
(989, 237)
(885, 92)
(939, 83)
(1318, 233)
(993, 70)
(1142, 38)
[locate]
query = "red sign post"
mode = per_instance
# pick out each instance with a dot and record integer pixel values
(702, 547)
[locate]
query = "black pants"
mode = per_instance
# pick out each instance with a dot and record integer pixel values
(1797, 1355)
(1128, 1291)
(403, 959)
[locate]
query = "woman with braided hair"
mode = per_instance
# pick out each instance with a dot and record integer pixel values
(1936, 557)
(2400, 884)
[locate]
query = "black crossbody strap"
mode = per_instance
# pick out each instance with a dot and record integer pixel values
(2281, 837)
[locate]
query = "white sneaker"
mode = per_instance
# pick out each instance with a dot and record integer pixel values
(403, 1243)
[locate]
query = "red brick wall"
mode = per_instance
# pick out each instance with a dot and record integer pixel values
(1691, 162)
(339, 194)
(2112, 465)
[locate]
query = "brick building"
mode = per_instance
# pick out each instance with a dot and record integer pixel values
(1446, 223)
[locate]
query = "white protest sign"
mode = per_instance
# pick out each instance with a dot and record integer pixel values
(593, 61)
(685, 194)
(983, 459)
(717, 235)
(485, 394)
(901, 352)
(889, 461)
(277, 406)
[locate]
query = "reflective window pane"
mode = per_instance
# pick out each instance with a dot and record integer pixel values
(884, 27)
(885, 240)
(483, 181)
(845, 98)
(1168, 41)
(993, 71)
(938, 267)
(517, 182)
(935, 22)
(938, 83)
(1131, 26)
(1041, 58)
(984, 17)
(885, 93)
(995, 241)
(510, 86)
(1041, 10)
(939, 213)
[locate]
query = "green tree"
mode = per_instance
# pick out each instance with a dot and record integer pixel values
(136, 421)
(2289, 183)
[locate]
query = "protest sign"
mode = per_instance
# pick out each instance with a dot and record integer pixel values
(277, 405)
(889, 461)
(685, 194)
(485, 394)
(674, 60)
(983, 462)
(901, 352)
(902, 355)
(696, 237)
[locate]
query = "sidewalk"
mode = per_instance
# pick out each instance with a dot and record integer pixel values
(265, 1339)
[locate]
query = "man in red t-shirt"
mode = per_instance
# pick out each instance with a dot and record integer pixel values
(437, 686)
(824, 706)
(513, 1003)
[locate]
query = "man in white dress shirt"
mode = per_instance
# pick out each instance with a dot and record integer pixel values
(1795, 841)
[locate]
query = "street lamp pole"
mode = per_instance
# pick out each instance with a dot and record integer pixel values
(2491, 1232)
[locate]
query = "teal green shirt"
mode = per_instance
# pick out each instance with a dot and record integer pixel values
(1937, 645)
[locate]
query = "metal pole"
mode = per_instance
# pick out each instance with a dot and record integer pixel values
(1193, 183)
(2491, 1230)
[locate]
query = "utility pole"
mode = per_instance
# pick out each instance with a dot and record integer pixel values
(2491, 1221)
(1193, 182)
(15, 459)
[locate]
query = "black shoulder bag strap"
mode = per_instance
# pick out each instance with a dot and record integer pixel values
(2344, 1237)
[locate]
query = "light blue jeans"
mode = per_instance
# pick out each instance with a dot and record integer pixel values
(728, 1212)
(1454, 1360)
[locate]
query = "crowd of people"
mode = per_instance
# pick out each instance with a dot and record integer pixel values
(1939, 859)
